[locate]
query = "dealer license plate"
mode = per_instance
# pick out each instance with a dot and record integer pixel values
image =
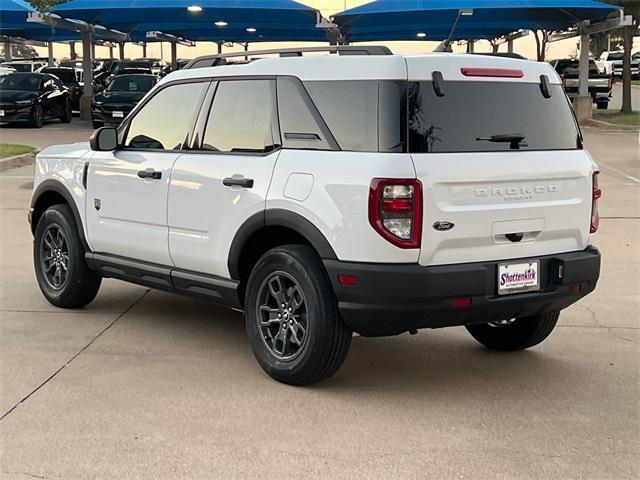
(518, 277)
(118, 114)
(1, 113)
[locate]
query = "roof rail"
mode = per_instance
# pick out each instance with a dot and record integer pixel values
(221, 59)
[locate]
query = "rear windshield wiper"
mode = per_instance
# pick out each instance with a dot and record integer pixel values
(516, 140)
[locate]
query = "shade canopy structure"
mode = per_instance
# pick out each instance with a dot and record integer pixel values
(476, 19)
(206, 20)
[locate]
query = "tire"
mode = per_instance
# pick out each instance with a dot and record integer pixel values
(324, 340)
(522, 333)
(602, 105)
(67, 116)
(80, 285)
(37, 119)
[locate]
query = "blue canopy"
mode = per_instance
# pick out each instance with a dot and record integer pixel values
(243, 20)
(13, 23)
(404, 19)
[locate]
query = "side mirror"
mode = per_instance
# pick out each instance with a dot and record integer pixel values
(104, 139)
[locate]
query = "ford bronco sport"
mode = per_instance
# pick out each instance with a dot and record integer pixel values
(323, 195)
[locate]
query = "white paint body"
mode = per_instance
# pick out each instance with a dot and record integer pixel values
(189, 219)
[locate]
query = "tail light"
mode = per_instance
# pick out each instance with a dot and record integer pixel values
(611, 82)
(596, 194)
(395, 210)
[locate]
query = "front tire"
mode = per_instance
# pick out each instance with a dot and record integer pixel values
(602, 105)
(67, 115)
(292, 318)
(515, 334)
(61, 270)
(37, 119)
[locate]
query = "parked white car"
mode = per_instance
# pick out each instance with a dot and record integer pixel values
(323, 195)
(24, 66)
(611, 63)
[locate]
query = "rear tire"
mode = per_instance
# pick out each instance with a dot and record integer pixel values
(292, 317)
(67, 116)
(602, 105)
(61, 270)
(521, 333)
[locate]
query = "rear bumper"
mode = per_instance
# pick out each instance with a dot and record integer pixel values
(392, 299)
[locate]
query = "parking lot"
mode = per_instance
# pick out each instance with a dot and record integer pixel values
(145, 384)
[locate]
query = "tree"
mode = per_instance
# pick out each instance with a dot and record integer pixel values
(603, 41)
(20, 51)
(542, 42)
(631, 7)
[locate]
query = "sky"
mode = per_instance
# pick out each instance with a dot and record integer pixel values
(525, 46)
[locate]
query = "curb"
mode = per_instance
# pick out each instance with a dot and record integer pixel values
(17, 161)
(590, 122)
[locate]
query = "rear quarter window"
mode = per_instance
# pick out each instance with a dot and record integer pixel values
(471, 112)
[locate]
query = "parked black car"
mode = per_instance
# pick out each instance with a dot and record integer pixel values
(33, 98)
(69, 79)
(119, 98)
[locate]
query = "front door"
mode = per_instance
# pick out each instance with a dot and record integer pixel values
(127, 189)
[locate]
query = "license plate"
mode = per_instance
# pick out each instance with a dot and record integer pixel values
(1, 113)
(118, 114)
(518, 277)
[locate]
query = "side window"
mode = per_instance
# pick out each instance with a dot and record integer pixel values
(242, 117)
(298, 125)
(350, 109)
(164, 122)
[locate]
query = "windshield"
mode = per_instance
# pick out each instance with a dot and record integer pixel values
(20, 81)
(489, 116)
(139, 83)
(66, 76)
(19, 67)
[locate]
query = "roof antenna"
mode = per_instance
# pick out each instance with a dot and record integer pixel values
(445, 46)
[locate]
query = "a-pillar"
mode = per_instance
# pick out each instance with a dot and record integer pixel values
(583, 104)
(7, 49)
(87, 70)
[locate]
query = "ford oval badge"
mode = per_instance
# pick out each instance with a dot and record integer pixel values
(443, 226)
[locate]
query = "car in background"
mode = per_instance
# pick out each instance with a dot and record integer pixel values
(120, 97)
(600, 84)
(157, 65)
(33, 98)
(69, 79)
(611, 63)
(24, 66)
(6, 70)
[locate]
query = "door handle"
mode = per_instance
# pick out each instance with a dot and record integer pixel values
(238, 182)
(150, 173)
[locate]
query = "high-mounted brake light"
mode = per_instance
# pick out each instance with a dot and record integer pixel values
(596, 194)
(395, 210)
(492, 72)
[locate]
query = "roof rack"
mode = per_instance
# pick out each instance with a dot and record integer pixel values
(221, 58)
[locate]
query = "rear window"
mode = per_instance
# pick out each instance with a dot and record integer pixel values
(487, 116)
(67, 76)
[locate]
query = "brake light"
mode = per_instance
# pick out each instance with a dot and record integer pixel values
(492, 72)
(395, 210)
(596, 194)
(611, 81)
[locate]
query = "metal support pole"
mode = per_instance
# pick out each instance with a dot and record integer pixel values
(7, 49)
(246, 49)
(87, 69)
(174, 56)
(111, 51)
(121, 50)
(219, 47)
(144, 49)
(93, 50)
(50, 54)
(510, 45)
(72, 51)
(583, 104)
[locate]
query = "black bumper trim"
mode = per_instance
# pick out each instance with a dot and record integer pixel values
(389, 299)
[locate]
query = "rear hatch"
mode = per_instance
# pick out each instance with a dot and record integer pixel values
(501, 163)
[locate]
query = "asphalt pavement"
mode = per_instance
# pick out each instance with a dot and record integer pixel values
(148, 385)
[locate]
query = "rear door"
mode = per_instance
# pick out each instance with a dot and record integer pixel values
(222, 182)
(503, 171)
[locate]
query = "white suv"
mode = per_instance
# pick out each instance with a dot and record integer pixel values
(329, 194)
